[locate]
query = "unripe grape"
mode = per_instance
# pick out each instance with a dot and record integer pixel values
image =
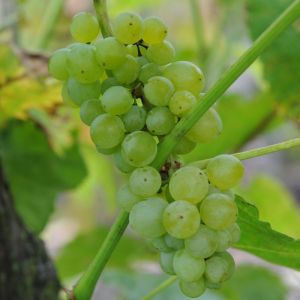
(128, 71)
(89, 110)
(134, 119)
(160, 244)
(184, 146)
(193, 289)
(154, 31)
(149, 70)
(121, 163)
(166, 260)
(58, 64)
(182, 102)
(126, 199)
(161, 54)
(173, 243)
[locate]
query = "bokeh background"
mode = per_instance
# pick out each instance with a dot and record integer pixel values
(65, 191)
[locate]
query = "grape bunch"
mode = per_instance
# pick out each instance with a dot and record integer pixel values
(132, 92)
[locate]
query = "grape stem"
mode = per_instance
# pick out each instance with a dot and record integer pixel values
(159, 288)
(256, 152)
(85, 287)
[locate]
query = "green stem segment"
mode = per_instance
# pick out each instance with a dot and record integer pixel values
(229, 77)
(161, 287)
(102, 15)
(86, 285)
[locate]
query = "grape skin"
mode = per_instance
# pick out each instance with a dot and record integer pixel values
(161, 54)
(89, 110)
(154, 30)
(126, 199)
(166, 260)
(57, 65)
(193, 289)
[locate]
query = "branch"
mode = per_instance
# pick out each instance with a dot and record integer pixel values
(102, 15)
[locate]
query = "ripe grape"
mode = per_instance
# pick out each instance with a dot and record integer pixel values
(181, 219)
(182, 102)
(160, 244)
(224, 240)
(120, 162)
(225, 171)
(107, 83)
(134, 119)
(166, 260)
(161, 54)
(126, 199)
(149, 70)
(184, 146)
(192, 289)
(145, 182)
(229, 262)
(89, 110)
(146, 217)
(235, 232)
(58, 64)
(154, 30)
(173, 243)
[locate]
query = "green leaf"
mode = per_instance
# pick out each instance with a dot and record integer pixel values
(254, 282)
(35, 173)
(281, 60)
(275, 204)
(261, 240)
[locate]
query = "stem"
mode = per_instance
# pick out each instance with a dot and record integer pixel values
(48, 23)
(102, 15)
(86, 285)
(159, 288)
(219, 88)
(256, 152)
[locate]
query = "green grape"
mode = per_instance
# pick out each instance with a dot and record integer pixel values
(213, 190)
(142, 61)
(184, 146)
(128, 28)
(84, 27)
(146, 217)
(182, 102)
(132, 50)
(229, 263)
(107, 131)
(207, 128)
(154, 31)
(181, 219)
(134, 119)
(235, 232)
(89, 110)
(203, 243)
(212, 285)
(218, 211)
(110, 53)
(120, 163)
(117, 100)
(192, 289)
(187, 267)
(80, 92)
(149, 70)
(128, 71)
(160, 244)
(159, 90)
(189, 183)
(82, 64)
(160, 121)
(173, 243)
(225, 171)
(57, 65)
(185, 76)
(161, 54)
(166, 262)
(139, 148)
(145, 181)
(66, 96)
(126, 199)
(224, 240)
(107, 151)
(108, 83)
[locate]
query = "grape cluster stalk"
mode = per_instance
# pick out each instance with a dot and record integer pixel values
(132, 92)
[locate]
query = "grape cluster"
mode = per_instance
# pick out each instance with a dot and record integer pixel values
(188, 214)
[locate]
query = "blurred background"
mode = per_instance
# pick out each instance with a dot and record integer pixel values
(65, 191)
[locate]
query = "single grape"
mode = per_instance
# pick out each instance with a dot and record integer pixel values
(145, 181)
(213, 190)
(212, 285)
(149, 70)
(128, 71)
(132, 50)
(193, 289)
(160, 244)
(224, 240)
(110, 53)
(218, 211)
(187, 267)
(166, 262)
(120, 163)
(173, 243)
(160, 121)
(66, 96)
(235, 232)
(139, 148)
(225, 171)
(182, 102)
(117, 100)
(142, 60)
(181, 219)
(80, 92)
(203, 243)
(159, 90)
(184, 146)
(108, 151)
(57, 65)
(134, 119)
(107, 131)
(89, 110)
(146, 217)
(207, 128)
(189, 183)
(161, 54)
(128, 28)
(229, 262)
(154, 31)
(185, 76)
(84, 27)
(126, 199)
(82, 64)
(108, 83)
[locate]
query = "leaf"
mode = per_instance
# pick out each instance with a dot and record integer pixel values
(274, 203)
(261, 240)
(254, 282)
(281, 60)
(35, 173)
